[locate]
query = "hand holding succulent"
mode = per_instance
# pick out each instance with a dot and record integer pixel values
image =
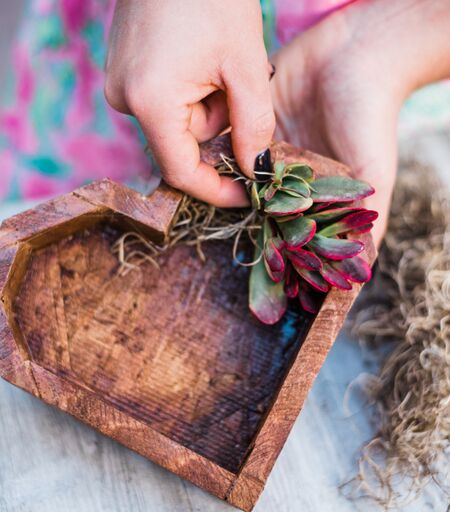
(302, 248)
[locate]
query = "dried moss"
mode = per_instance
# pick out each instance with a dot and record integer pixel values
(407, 305)
(196, 222)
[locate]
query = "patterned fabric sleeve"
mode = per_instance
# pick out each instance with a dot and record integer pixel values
(56, 130)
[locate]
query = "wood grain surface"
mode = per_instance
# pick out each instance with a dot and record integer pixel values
(175, 349)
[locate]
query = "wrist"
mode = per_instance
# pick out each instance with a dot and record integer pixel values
(407, 41)
(373, 48)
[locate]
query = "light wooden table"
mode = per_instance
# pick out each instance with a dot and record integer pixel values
(51, 462)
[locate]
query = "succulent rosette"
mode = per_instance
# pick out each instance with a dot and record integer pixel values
(304, 247)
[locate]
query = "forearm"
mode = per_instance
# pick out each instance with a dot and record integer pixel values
(411, 39)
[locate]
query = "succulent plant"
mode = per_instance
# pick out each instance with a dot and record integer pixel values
(302, 249)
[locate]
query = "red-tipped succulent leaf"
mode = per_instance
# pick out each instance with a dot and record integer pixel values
(284, 204)
(350, 222)
(314, 279)
(335, 248)
(354, 269)
(310, 300)
(298, 232)
(334, 277)
(273, 254)
(267, 300)
(339, 189)
(291, 283)
(302, 258)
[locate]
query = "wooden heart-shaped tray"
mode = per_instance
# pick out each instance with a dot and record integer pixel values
(168, 362)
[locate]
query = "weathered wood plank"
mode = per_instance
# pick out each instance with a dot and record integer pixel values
(154, 213)
(118, 425)
(69, 212)
(14, 364)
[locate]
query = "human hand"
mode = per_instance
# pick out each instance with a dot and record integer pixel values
(187, 70)
(339, 86)
(328, 99)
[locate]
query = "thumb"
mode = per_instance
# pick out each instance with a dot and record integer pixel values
(251, 113)
(372, 154)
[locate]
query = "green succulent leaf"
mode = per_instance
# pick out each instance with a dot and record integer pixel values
(298, 232)
(279, 170)
(297, 188)
(350, 222)
(327, 216)
(263, 189)
(270, 192)
(269, 230)
(299, 170)
(284, 204)
(287, 218)
(339, 188)
(291, 192)
(267, 299)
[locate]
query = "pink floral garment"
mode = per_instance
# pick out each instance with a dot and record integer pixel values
(294, 16)
(56, 130)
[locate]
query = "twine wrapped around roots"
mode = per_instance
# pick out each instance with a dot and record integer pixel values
(196, 222)
(408, 304)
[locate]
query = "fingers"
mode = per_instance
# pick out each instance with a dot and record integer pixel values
(173, 132)
(381, 175)
(209, 117)
(361, 151)
(177, 151)
(113, 91)
(251, 112)
(186, 172)
(174, 129)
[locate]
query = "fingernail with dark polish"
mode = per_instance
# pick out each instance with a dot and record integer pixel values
(263, 165)
(274, 69)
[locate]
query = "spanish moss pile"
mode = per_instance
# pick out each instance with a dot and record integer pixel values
(408, 305)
